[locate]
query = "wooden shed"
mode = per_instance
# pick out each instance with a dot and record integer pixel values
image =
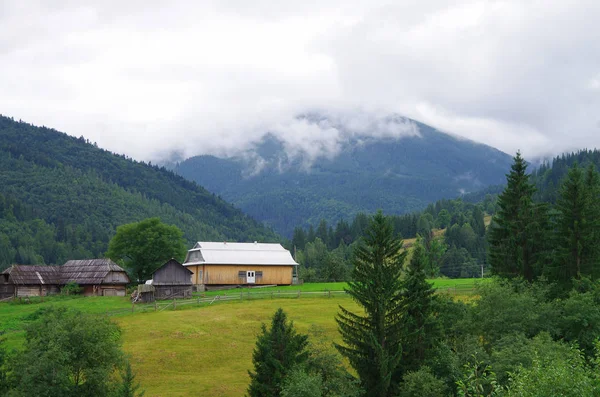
(96, 276)
(221, 264)
(172, 280)
(29, 280)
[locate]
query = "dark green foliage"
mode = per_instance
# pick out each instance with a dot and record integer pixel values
(278, 350)
(423, 383)
(421, 332)
(129, 387)
(398, 176)
(71, 288)
(144, 246)
(67, 353)
(577, 227)
(300, 383)
(513, 250)
(62, 198)
(372, 342)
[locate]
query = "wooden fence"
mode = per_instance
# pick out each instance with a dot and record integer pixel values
(248, 294)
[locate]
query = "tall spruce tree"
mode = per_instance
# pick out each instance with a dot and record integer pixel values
(372, 341)
(421, 333)
(576, 231)
(513, 250)
(278, 350)
(592, 184)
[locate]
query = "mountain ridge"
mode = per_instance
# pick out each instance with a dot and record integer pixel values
(286, 187)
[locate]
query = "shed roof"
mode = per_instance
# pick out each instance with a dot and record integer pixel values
(33, 274)
(88, 271)
(224, 253)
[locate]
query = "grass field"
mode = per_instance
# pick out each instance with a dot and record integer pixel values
(202, 349)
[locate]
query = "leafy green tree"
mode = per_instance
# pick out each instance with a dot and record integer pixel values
(512, 245)
(423, 383)
(300, 383)
(144, 246)
(67, 353)
(567, 375)
(372, 341)
(443, 219)
(421, 333)
(278, 350)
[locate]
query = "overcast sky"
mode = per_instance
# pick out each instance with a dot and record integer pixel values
(150, 78)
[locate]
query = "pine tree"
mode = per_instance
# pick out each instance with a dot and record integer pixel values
(513, 251)
(129, 388)
(577, 224)
(592, 251)
(421, 333)
(372, 341)
(278, 350)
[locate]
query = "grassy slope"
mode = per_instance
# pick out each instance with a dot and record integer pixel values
(203, 350)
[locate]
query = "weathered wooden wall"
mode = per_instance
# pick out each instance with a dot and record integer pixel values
(228, 274)
(173, 291)
(172, 273)
(116, 277)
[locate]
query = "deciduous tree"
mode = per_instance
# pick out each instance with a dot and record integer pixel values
(143, 246)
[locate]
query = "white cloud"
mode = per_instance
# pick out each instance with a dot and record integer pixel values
(149, 78)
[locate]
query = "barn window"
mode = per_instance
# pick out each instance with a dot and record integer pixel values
(242, 274)
(259, 274)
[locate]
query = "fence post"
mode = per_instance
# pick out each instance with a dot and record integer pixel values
(329, 293)
(242, 295)
(298, 293)
(198, 301)
(271, 294)
(174, 304)
(132, 307)
(155, 306)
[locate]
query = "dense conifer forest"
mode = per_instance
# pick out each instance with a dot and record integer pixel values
(63, 197)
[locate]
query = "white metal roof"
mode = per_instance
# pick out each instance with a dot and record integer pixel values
(224, 253)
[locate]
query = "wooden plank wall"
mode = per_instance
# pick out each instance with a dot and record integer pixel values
(228, 274)
(172, 274)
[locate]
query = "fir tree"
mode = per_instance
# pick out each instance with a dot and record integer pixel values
(577, 225)
(592, 184)
(129, 387)
(512, 247)
(372, 341)
(278, 350)
(421, 333)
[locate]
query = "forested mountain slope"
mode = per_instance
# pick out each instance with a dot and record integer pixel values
(67, 195)
(397, 175)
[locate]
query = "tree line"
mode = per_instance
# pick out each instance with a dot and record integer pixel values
(518, 338)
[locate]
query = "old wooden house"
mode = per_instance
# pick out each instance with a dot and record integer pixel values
(29, 280)
(95, 276)
(172, 280)
(223, 263)
(100, 277)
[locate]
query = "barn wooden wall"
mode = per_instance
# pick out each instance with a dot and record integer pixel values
(228, 274)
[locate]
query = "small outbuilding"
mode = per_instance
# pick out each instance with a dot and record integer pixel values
(222, 264)
(172, 280)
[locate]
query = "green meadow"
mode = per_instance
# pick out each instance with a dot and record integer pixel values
(203, 349)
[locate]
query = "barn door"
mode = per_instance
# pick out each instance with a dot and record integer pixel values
(250, 277)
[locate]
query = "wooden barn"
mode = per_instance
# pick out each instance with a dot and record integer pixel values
(100, 277)
(95, 276)
(221, 264)
(29, 280)
(172, 280)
